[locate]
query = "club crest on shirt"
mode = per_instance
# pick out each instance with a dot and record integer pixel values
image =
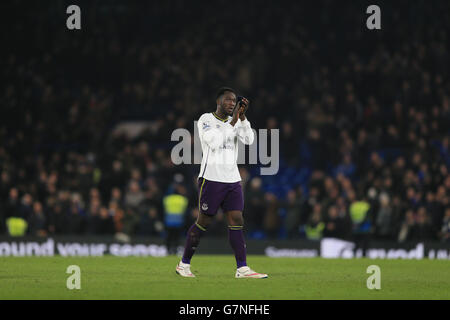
(204, 206)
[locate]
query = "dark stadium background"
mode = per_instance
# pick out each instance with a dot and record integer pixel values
(364, 115)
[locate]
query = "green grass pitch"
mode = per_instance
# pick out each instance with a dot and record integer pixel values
(155, 279)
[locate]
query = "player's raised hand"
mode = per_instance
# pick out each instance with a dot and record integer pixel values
(244, 107)
(236, 114)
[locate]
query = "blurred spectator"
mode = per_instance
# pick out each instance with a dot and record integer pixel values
(17, 227)
(422, 230)
(130, 222)
(384, 218)
(37, 221)
(445, 232)
(372, 118)
(12, 205)
(407, 228)
(254, 205)
(315, 226)
(289, 143)
(175, 205)
(150, 224)
(75, 220)
(347, 167)
(116, 196)
(118, 221)
(93, 213)
(360, 214)
(271, 217)
(26, 206)
(58, 220)
(104, 223)
(335, 225)
(293, 206)
(134, 196)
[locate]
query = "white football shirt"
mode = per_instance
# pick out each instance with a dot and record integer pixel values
(219, 140)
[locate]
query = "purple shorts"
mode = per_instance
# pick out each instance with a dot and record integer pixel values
(213, 194)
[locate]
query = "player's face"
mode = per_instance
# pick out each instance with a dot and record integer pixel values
(228, 102)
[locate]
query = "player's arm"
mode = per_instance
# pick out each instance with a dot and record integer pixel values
(244, 102)
(212, 136)
(245, 132)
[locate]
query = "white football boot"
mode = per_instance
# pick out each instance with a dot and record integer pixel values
(246, 272)
(184, 270)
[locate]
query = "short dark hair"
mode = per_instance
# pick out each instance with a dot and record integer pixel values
(223, 90)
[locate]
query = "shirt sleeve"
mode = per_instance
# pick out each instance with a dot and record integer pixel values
(212, 136)
(245, 132)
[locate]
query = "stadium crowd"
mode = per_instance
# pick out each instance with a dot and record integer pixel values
(364, 116)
